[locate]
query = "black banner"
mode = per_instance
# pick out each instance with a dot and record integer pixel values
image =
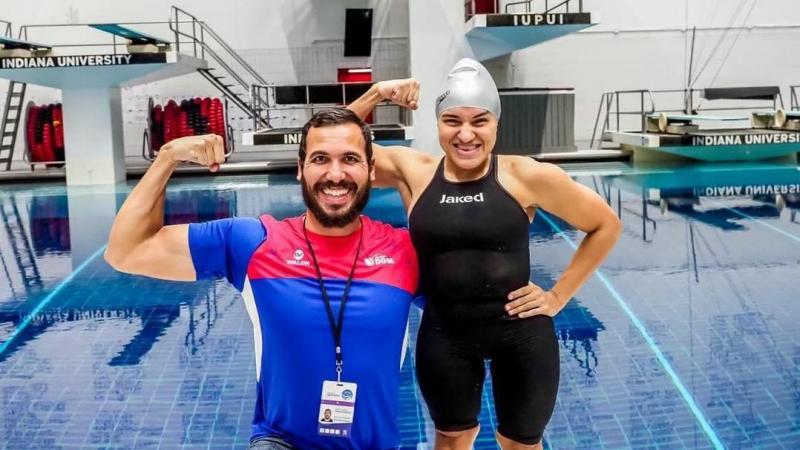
(746, 139)
(530, 20)
(292, 136)
(43, 62)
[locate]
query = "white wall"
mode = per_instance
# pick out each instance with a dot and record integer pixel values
(637, 44)
(436, 41)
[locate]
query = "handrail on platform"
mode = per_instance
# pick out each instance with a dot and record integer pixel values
(204, 29)
(527, 4)
(198, 36)
(610, 106)
(794, 101)
(6, 27)
(470, 9)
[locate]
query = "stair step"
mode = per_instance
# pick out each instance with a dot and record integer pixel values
(15, 94)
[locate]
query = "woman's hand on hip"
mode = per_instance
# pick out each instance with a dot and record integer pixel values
(531, 300)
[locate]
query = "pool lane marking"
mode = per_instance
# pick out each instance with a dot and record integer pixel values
(687, 397)
(756, 219)
(24, 324)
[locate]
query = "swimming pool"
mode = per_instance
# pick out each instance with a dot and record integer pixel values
(682, 340)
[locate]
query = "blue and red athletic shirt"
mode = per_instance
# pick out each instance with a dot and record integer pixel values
(269, 262)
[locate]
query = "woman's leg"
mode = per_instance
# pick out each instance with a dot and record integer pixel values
(456, 440)
(451, 382)
(525, 374)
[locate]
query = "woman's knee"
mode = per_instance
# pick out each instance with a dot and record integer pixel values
(460, 434)
(512, 444)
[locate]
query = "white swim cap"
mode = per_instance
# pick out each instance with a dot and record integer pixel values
(469, 84)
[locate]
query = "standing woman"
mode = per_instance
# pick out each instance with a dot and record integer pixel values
(469, 214)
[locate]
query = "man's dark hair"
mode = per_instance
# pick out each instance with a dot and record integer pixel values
(336, 116)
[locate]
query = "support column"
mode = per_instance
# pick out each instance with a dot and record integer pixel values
(436, 42)
(93, 143)
(91, 213)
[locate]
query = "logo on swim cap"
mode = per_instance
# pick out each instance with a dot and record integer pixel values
(440, 98)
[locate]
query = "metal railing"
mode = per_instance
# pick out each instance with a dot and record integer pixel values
(794, 101)
(198, 35)
(610, 113)
(530, 7)
(509, 5)
(6, 28)
(198, 38)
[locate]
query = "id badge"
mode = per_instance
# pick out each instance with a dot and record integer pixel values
(337, 409)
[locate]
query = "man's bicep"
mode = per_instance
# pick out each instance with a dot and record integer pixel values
(166, 255)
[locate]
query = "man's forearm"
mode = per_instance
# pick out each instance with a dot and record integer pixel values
(366, 103)
(142, 213)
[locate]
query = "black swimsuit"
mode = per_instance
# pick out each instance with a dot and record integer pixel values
(473, 247)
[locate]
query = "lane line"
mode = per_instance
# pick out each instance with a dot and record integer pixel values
(24, 324)
(759, 221)
(662, 359)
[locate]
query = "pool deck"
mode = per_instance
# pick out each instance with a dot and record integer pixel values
(255, 162)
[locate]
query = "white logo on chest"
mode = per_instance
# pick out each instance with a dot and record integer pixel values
(378, 260)
(477, 198)
(298, 259)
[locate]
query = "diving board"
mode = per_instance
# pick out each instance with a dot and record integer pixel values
(681, 123)
(135, 37)
(92, 101)
(17, 47)
(778, 119)
(493, 35)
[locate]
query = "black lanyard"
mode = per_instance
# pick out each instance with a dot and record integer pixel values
(336, 328)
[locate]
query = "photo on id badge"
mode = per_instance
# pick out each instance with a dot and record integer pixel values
(337, 408)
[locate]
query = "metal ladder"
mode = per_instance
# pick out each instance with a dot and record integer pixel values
(12, 116)
(12, 112)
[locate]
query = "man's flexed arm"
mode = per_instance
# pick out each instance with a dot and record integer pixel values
(139, 243)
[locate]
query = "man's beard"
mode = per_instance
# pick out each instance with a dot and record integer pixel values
(341, 217)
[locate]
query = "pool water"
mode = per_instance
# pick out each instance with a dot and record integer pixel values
(683, 339)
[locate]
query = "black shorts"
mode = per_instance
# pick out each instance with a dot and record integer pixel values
(524, 365)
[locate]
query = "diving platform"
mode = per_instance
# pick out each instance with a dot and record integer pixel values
(711, 145)
(713, 134)
(491, 35)
(286, 108)
(289, 138)
(91, 89)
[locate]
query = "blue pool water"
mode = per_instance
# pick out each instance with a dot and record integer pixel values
(683, 339)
